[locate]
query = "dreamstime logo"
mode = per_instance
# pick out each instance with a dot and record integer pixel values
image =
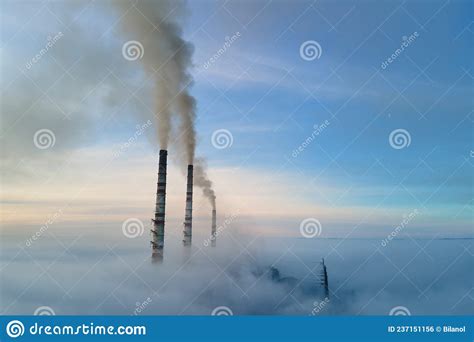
(222, 311)
(51, 220)
(140, 307)
(140, 130)
(222, 139)
(133, 228)
(227, 222)
(15, 329)
(228, 42)
(319, 306)
(399, 138)
(132, 50)
(44, 139)
(318, 129)
(406, 42)
(49, 45)
(310, 50)
(44, 311)
(393, 234)
(399, 311)
(310, 227)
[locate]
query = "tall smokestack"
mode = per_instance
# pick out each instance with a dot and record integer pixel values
(188, 215)
(324, 279)
(158, 231)
(213, 228)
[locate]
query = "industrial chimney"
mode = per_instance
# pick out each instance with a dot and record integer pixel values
(324, 279)
(213, 228)
(158, 230)
(188, 215)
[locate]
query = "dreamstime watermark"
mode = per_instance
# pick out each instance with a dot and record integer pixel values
(222, 311)
(140, 307)
(133, 228)
(49, 45)
(44, 311)
(222, 139)
(406, 220)
(399, 311)
(44, 139)
(310, 50)
(310, 228)
(222, 50)
(227, 222)
(51, 220)
(15, 329)
(406, 42)
(140, 130)
(319, 306)
(318, 129)
(399, 138)
(132, 50)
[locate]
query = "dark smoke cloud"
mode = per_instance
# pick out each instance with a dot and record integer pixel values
(165, 55)
(168, 57)
(77, 108)
(187, 109)
(202, 180)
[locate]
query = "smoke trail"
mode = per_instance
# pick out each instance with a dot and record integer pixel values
(163, 115)
(165, 56)
(187, 109)
(168, 57)
(202, 180)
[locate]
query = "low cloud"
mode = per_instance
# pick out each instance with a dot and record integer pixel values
(267, 277)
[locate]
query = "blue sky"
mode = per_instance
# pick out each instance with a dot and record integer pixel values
(347, 86)
(268, 97)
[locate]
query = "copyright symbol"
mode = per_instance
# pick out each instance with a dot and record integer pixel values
(438, 329)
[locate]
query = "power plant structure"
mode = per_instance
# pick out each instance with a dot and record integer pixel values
(158, 230)
(158, 223)
(324, 279)
(188, 215)
(213, 228)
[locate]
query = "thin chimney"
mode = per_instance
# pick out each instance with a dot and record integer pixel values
(188, 216)
(324, 279)
(213, 228)
(158, 230)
